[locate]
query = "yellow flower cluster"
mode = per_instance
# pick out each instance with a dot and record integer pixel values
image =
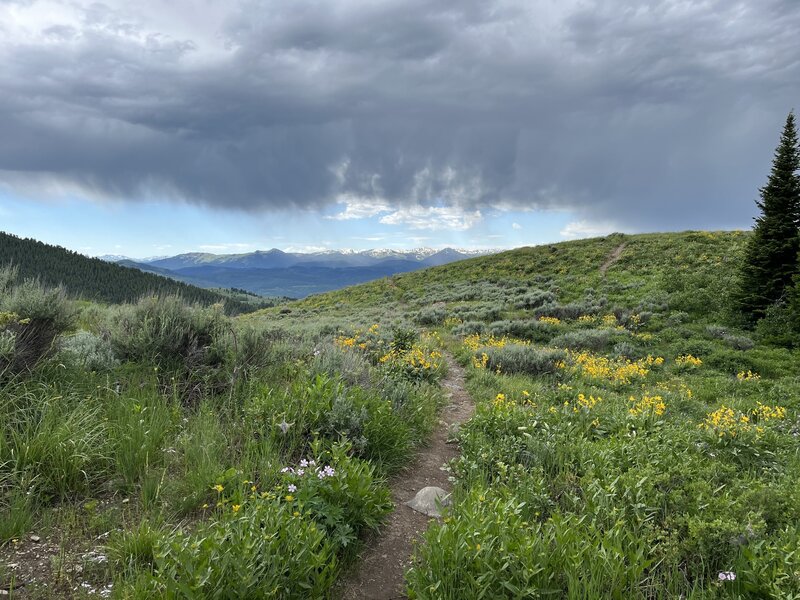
(363, 340)
(587, 319)
(583, 402)
(647, 405)
(610, 320)
(687, 360)
(501, 401)
(418, 362)
(550, 320)
(480, 362)
(451, 322)
(726, 422)
(615, 370)
(763, 413)
(747, 375)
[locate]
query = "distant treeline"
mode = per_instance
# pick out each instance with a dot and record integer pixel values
(95, 279)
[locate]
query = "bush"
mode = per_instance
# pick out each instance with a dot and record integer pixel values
(569, 311)
(778, 327)
(87, 351)
(31, 317)
(169, 333)
(535, 299)
(469, 328)
(626, 350)
(523, 359)
(527, 329)
(738, 342)
(585, 339)
(730, 362)
(333, 361)
(434, 315)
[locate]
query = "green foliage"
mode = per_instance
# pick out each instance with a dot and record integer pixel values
(55, 446)
(137, 435)
(573, 486)
(262, 550)
(135, 549)
(278, 543)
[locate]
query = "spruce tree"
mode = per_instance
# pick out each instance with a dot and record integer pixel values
(771, 256)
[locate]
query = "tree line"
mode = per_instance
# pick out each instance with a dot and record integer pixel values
(98, 280)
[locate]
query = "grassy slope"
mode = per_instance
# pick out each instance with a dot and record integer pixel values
(649, 260)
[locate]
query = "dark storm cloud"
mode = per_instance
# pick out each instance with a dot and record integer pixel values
(647, 114)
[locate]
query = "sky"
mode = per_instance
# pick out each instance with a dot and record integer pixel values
(149, 128)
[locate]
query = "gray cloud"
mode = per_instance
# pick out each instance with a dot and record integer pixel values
(649, 114)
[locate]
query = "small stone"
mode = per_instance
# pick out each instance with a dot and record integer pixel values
(36, 538)
(428, 500)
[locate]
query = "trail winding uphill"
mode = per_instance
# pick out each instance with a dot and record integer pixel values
(380, 574)
(615, 255)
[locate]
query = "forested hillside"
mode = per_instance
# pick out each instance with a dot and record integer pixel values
(95, 279)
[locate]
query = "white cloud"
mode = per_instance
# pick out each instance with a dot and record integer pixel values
(433, 217)
(516, 226)
(360, 208)
(584, 229)
(307, 249)
(229, 246)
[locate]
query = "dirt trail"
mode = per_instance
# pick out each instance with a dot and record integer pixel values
(379, 576)
(612, 258)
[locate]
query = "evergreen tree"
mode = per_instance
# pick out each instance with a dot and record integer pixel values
(771, 256)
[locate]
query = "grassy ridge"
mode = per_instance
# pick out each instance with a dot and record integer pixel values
(655, 262)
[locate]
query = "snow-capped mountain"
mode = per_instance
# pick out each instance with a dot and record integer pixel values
(295, 274)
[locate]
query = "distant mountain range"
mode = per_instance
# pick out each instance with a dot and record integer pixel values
(293, 274)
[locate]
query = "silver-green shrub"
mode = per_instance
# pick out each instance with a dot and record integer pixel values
(87, 351)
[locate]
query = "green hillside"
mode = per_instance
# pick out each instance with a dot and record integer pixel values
(95, 279)
(631, 438)
(693, 270)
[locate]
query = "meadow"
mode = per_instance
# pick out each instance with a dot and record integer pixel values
(632, 438)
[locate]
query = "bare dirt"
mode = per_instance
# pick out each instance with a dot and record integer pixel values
(615, 255)
(380, 572)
